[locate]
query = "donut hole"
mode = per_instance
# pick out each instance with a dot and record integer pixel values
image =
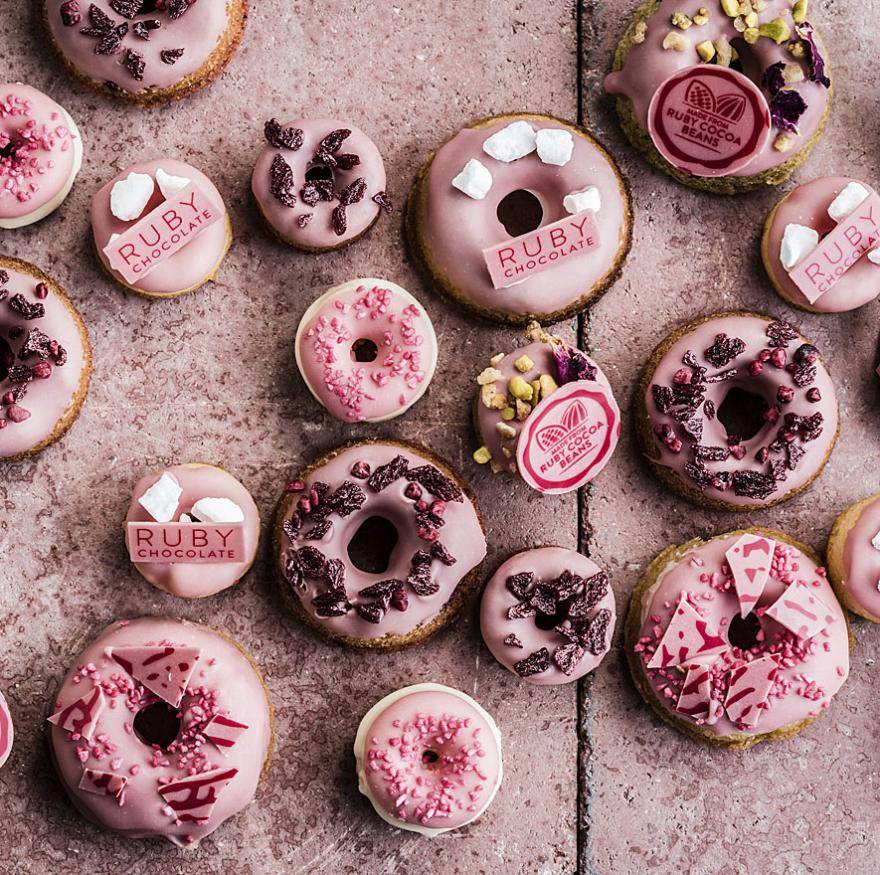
(743, 631)
(520, 212)
(746, 63)
(157, 724)
(7, 359)
(742, 413)
(373, 543)
(364, 350)
(318, 173)
(429, 757)
(547, 622)
(148, 7)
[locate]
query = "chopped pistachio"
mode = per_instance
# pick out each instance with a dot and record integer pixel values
(706, 50)
(681, 21)
(750, 35)
(523, 364)
(734, 54)
(505, 430)
(489, 375)
(505, 451)
(548, 385)
(751, 19)
(495, 466)
(536, 391)
(640, 32)
(488, 393)
(508, 413)
(759, 5)
(520, 389)
(702, 16)
(797, 49)
(482, 455)
(739, 24)
(496, 358)
(674, 40)
(499, 402)
(783, 142)
(792, 73)
(745, 8)
(725, 52)
(799, 12)
(522, 410)
(777, 30)
(730, 8)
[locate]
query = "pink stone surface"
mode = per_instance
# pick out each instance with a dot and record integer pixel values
(211, 377)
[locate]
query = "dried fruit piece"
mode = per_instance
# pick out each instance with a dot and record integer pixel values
(142, 28)
(36, 343)
(386, 474)
(176, 8)
(724, 350)
(533, 664)
(383, 199)
(513, 641)
(436, 483)
(329, 145)
(281, 181)
(353, 193)
(26, 309)
(126, 8)
(312, 561)
(419, 578)
(330, 604)
(135, 64)
(283, 138)
(339, 221)
(371, 612)
(171, 56)
(346, 499)
(781, 334)
(106, 30)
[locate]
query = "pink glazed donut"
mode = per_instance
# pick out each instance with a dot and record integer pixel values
(428, 759)
(737, 639)
(366, 350)
(175, 222)
(548, 615)
(809, 211)
(319, 183)
(178, 495)
(377, 544)
(736, 411)
(854, 558)
(6, 731)
(162, 728)
(40, 155)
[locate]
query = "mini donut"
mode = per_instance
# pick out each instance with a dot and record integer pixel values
(737, 639)
(546, 384)
(854, 558)
(172, 752)
(160, 228)
(823, 264)
(319, 183)
(40, 155)
(206, 499)
(7, 733)
(541, 197)
(45, 360)
(428, 759)
(736, 411)
(366, 350)
(378, 544)
(145, 52)
(548, 615)
(767, 61)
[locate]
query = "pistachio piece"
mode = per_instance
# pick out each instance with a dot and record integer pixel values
(759, 5)
(750, 35)
(706, 50)
(496, 358)
(482, 455)
(489, 375)
(495, 466)
(548, 385)
(680, 20)
(739, 24)
(505, 430)
(523, 364)
(724, 50)
(536, 391)
(499, 402)
(745, 8)
(799, 12)
(792, 73)
(702, 16)
(508, 413)
(674, 40)
(730, 8)
(777, 30)
(640, 32)
(797, 49)
(520, 389)
(783, 142)
(522, 410)
(751, 19)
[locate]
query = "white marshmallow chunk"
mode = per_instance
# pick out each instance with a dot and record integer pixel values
(185, 518)
(169, 185)
(797, 242)
(585, 199)
(129, 196)
(475, 180)
(851, 195)
(554, 146)
(161, 499)
(217, 510)
(517, 140)
(874, 256)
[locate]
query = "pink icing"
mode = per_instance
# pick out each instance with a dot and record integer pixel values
(496, 625)
(461, 534)
(808, 205)
(6, 731)
(458, 228)
(187, 268)
(861, 560)
(809, 671)
(764, 378)
(648, 64)
(189, 580)
(44, 157)
(339, 322)
(316, 232)
(431, 759)
(198, 32)
(223, 683)
(46, 400)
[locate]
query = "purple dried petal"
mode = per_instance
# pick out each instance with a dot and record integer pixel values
(817, 62)
(441, 554)
(371, 612)
(773, 80)
(724, 350)
(786, 107)
(312, 560)
(521, 584)
(572, 364)
(567, 657)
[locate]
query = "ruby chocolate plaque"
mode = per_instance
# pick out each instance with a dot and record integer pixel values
(153, 239)
(190, 543)
(520, 258)
(709, 120)
(569, 437)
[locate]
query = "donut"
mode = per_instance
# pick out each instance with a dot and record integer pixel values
(428, 759)
(854, 558)
(737, 639)
(192, 512)
(160, 228)
(146, 52)
(6, 731)
(45, 360)
(736, 411)
(366, 350)
(40, 155)
(724, 99)
(547, 615)
(545, 413)
(820, 245)
(520, 217)
(173, 752)
(319, 183)
(378, 544)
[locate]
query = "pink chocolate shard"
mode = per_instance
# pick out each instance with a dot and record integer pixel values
(801, 611)
(750, 559)
(164, 671)
(193, 799)
(103, 783)
(747, 690)
(695, 698)
(686, 637)
(81, 716)
(223, 732)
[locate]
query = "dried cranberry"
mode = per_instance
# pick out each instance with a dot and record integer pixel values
(41, 291)
(814, 395)
(25, 308)
(17, 414)
(281, 137)
(806, 354)
(755, 368)
(386, 474)
(281, 181)
(784, 394)
(435, 482)
(70, 15)
(171, 56)
(383, 199)
(353, 193)
(533, 664)
(361, 470)
(339, 221)
(413, 491)
(295, 486)
(780, 334)
(724, 350)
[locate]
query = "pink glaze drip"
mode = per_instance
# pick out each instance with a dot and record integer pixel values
(861, 560)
